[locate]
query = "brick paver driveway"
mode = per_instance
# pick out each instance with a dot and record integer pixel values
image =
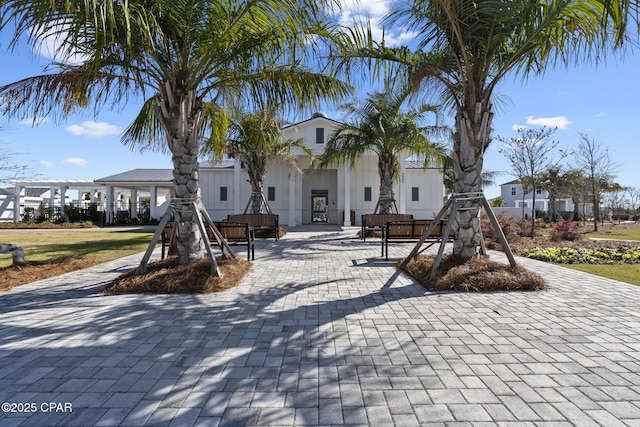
(322, 331)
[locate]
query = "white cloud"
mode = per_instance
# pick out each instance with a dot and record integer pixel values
(45, 164)
(560, 122)
(75, 161)
(602, 114)
(50, 47)
(93, 129)
(517, 127)
(359, 11)
(34, 121)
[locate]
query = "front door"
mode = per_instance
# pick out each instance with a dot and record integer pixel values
(319, 206)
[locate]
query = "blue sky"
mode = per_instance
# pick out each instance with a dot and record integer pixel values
(600, 101)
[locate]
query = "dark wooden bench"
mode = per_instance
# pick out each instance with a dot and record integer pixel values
(267, 222)
(410, 231)
(235, 233)
(379, 221)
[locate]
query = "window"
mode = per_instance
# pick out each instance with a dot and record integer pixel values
(367, 194)
(223, 194)
(514, 191)
(538, 190)
(319, 135)
(271, 194)
(415, 194)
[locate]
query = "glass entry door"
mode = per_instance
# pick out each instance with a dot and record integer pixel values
(319, 205)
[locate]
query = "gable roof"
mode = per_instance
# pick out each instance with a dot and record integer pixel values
(319, 116)
(515, 181)
(152, 176)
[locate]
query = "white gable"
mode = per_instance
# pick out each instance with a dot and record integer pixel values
(315, 132)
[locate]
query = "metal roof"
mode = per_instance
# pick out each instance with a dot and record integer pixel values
(152, 176)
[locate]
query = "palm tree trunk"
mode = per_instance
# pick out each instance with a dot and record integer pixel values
(470, 139)
(386, 169)
(190, 242)
(256, 169)
(180, 115)
(533, 212)
(256, 196)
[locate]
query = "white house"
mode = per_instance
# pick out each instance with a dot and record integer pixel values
(317, 196)
(512, 193)
(321, 195)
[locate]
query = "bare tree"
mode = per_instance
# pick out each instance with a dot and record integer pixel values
(633, 196)
(530, 154)
(593, 159)
(615, 200)
(9, 169)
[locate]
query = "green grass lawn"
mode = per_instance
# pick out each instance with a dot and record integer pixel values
(629, 273)
(618, 234)
(100, 244)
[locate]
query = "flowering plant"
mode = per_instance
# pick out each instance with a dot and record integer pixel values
(566, 230)
(586, 256)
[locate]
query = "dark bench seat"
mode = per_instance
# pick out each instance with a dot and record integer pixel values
(267, 222)
(379, 221)
(235, 233)
(410, 231)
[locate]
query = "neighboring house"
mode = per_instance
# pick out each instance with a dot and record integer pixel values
(318, 196)
(511, 192)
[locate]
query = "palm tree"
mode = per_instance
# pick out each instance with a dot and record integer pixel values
(382, 126)
(255, 139)
(466, 48)
(189, 59)
(552, 181)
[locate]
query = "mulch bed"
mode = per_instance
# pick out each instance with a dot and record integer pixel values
(167, 277)
(32, 271)
(477, 275)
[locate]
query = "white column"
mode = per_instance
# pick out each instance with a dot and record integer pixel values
(16, 204)
(153, 202)
(134, 203)
(347, 195)
(63, 201)
(292, 199)
(402, 191)
(109, 199)
(236, 186)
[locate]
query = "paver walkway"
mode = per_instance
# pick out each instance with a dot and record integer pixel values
(322, 331)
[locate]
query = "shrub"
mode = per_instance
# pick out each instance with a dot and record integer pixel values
(490, 233)
(566, 230)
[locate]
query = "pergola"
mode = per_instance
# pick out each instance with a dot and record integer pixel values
(81, 185)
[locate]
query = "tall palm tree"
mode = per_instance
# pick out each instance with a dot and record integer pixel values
(381, 125)
(465, 48)
(188, 58)
(256, 138)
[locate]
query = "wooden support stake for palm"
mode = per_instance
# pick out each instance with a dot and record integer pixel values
(453, 202)
(199, 212)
